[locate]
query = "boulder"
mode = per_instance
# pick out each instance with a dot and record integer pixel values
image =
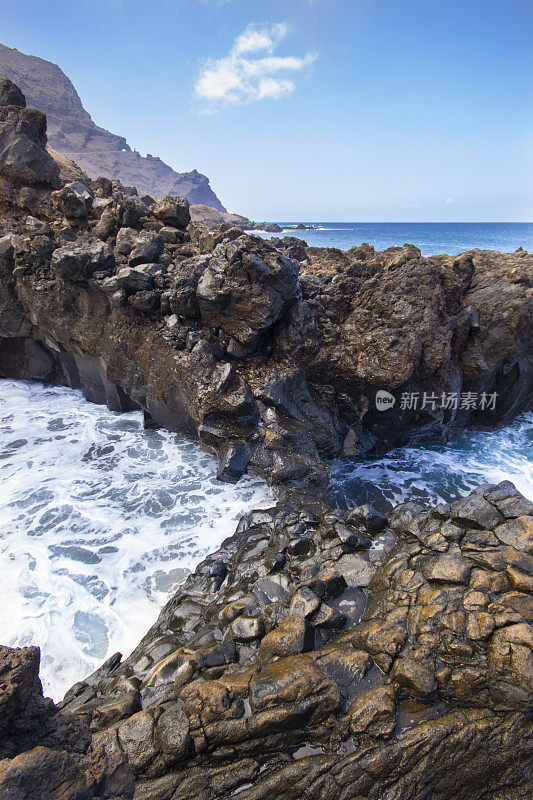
(74, 201)
(10, 94)
(247, 288)
(147, 248)
(79, 262)
(23, 156)
(172, 211)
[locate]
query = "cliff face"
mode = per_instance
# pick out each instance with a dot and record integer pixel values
(72, 132)
(323, 653)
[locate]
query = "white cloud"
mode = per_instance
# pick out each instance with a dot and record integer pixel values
(251, 71)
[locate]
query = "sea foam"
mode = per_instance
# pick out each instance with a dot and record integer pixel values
(437, 471)
(100, 520)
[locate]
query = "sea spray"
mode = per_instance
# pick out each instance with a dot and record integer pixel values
(100, 520)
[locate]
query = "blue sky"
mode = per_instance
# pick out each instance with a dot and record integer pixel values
(345, 110)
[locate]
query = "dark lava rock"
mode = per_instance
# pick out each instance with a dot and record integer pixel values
(258, 680)
(173, 211)
(74, 201)
(10, 94)
(23, 156)
(80, 261)
(46, 753)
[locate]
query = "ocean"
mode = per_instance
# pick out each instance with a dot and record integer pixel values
(100, 519)
(431, 237)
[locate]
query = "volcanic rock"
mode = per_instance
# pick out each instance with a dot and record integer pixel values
(244, 691)
(45, 752)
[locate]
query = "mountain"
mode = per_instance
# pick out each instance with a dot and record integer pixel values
(72, 132)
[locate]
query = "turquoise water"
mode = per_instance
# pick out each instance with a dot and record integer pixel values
(431, 237)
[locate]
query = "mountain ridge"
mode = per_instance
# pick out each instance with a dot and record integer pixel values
(74, 134)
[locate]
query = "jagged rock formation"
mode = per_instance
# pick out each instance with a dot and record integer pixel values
(23, 156)
(272, 354)
(297, 662)
(72, 132)
(335, 655)
(45, 752)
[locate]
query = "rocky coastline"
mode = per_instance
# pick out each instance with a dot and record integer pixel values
(271, 352)
(322, 653)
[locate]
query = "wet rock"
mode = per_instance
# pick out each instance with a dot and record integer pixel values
(474, 510)
(294, 682)
(246, 629)
(450, 568)
(46, 752)
(290, 638)
(233, 459)
(136, 739)
(256, 665)
(373, 713)
(366, 515)
(172, 732)
(417, 677)
(355, 570)
(304, 603)
(510, 662)
(517, 533)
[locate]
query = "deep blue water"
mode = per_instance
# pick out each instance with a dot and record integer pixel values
(431, 237)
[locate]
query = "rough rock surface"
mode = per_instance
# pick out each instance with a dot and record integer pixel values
(281, 670)
(23, 157)
(45, 752)
(272, 351)
(335, 655)
(72, 132)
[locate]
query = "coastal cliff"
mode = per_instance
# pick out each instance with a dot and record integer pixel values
(72, 132)
(332, 654)
(273, 354)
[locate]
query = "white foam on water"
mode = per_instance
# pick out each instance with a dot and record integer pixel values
(100, 520)
(439, 472)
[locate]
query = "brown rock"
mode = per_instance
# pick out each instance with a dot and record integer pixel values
(373, 713)
(290, 638)
(447, 568)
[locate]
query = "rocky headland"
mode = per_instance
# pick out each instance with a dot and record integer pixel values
(321, 653)
(272, 353)
(73, 133)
